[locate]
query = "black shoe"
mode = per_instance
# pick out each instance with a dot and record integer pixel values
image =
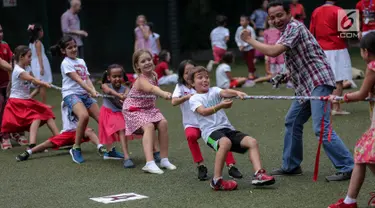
(281, 172)
(339, 176)
(24, 156)
(202, 173)
(234, 172)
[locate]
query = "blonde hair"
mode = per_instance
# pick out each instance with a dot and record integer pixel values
(136, 56)
(138, 17)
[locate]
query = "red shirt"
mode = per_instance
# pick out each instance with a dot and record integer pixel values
(361, 6)
(295, 10)
(324, 27)
(5, 54)
(160, 69)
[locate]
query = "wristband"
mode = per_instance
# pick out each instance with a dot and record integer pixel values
(213, 108)
(346, 98)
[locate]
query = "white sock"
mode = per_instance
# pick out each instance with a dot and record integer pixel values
(165, 162)
(349, 200)
(152, 162)
(217, 179)
(99, 146)
(29, 151)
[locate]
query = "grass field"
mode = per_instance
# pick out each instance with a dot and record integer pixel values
(53, 180)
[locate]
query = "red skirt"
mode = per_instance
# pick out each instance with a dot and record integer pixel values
(20, 113)
(109, 124)
(65, 139)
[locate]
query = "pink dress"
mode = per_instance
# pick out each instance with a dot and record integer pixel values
(142, 43)
(271, 36)
(364, 151)
(138, 112)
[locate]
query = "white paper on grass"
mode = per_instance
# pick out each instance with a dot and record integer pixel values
(118, 198)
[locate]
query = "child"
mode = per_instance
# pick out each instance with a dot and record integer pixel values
(181, 96)
(22, 113)
(111, 122)
(155, 43)
(246, 49)
(142, 34)
(364, 152)
(217, 131)
(224, 78)
(65, 138)
(219, 38)
(165, 76)
(76, 91)
(39, 62)
(141, 115)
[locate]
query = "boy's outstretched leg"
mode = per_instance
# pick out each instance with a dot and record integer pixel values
(39, 148)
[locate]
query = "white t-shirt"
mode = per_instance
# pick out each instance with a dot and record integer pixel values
(154, 44)
(240, 42)
(20, 88)
(68, 125)
(218, 37)
(188, 117)
(216, 121)
(222, 79)
(70, 86)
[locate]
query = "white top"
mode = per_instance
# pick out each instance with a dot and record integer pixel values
(70, 86)
(240, 42)
(154, 44)
(216, 121)
(68, 125)
(20, 88)
(218, 37)
(222, 79)
(188, 117)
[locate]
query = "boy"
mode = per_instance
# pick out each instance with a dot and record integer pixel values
(65, 138)
(217, 131)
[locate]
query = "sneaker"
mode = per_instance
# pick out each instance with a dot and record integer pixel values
(153, 168)
(167, 165)
(262, 179)
(113, 155)
(340, 204)
(234, 172)
(223, 185)
(371, 202)
(202, 173)
(5, 144)
(23, 156)
(157, 157)
(129, 163)
(339, 113)
(102, 150)
(249, 83)
(281, 172)
(339, 176)
(210, 65)
(22, 140)
(76, 155)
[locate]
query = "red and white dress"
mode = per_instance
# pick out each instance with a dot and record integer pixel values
(138, 112)
(20, 110)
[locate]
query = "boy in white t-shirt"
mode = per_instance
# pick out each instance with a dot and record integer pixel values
(219, 38)
(219, 133)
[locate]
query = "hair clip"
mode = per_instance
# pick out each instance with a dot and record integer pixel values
(30, 27)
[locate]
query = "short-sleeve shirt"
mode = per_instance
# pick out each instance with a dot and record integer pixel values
(259, 16)
(296, 11)
(160, 69)
(69, 86)
(20, 88)
(305, 59)
(5, 54)
(113, 103)
(188, 117)
(367, 11)
(69, 22)
(218, 37)
(222, 79)
(154, 45)
(211, 123)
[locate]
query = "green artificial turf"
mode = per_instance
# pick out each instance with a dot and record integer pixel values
(53, 180)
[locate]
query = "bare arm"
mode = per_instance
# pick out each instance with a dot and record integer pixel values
(5, 65)
(27, 77)
(38, 46)
(146, 32)
(210, 110)
(268, 50)
(65, 27)
(144, 85)
(107, 90)
(35, 92)
(229, 75)
(178, 101)
(366, 87)
(74, 76)
(158, 44)
(229, 93)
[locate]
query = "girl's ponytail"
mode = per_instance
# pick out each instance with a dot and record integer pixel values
(55, 50)
(105, 77)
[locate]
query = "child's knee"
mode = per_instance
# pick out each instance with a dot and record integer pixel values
(225, 143)
(83, 116)
(249, 142)
(148, 127)
(163, 124)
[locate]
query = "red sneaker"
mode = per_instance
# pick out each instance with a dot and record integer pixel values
(262, 179)
(340, 204)
(371, 202)
(223, 185)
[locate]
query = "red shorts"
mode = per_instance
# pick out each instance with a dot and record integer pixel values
(233, 83)
(65, 139)
(218, 54)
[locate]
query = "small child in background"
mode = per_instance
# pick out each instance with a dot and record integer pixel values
(111, 120)
(219, 38)
(246, 49)
(165, 76)
(155, 43)
(181, 96)
(142, 34)
(224, 78)
(65, 138)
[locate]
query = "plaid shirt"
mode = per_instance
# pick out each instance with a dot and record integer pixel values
(305, 59)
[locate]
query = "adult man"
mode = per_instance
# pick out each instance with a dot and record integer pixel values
(324, 27)
(366, 17)
(311, 75)
(70, 25)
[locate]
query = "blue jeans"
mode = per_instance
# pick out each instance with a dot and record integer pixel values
(298, 115)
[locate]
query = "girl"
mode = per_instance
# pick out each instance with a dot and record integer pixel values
(219, 38)
(22, 113)
(76, 91)
(246, 49)
(155, 43)
(141, 115)
(165, 76)
(364, 152)
(224, 78)
(39, 62)
(142, 34)
(181, 96)
(111, 122)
